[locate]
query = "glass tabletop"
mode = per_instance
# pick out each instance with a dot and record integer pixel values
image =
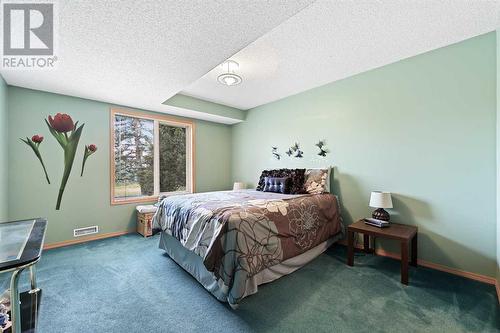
(21, 242)
(13, 239)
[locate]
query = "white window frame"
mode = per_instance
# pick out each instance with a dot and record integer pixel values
(157, 119)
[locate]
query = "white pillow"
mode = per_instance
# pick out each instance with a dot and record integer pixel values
(317, 180)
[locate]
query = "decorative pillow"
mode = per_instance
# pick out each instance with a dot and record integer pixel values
(277, 185)
(296, 176)
(317, 181)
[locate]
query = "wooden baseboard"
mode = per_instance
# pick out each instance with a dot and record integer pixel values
(86, 239)
(439, 267)
(443, 268)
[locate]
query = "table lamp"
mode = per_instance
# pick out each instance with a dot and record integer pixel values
(238, 186)
(380, 200)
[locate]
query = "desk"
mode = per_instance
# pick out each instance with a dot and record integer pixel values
(21, 244)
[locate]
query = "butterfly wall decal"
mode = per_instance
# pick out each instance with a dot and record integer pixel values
(275, 153)
(322, 151)
(295, 149)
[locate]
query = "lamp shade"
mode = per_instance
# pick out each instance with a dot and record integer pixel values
(380, 199)
(238, 186)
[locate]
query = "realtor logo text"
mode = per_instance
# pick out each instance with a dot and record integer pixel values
(28, 36)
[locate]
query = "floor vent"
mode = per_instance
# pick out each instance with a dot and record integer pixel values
(85, 231)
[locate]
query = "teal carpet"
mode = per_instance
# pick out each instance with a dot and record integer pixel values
(127, 284)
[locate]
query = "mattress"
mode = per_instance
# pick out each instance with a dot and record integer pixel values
(232, 241)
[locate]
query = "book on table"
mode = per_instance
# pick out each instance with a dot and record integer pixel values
(376, 222)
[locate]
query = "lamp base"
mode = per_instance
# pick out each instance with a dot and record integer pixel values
(381, 214)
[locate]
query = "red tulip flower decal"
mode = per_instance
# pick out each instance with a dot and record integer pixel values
(62, 123)
(89, 150)
(59, 127)
(37, 138)
(34, 143)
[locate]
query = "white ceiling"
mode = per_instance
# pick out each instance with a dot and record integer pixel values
(140, 53)
(331, 40)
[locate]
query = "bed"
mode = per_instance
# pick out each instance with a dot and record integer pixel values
(233, 241)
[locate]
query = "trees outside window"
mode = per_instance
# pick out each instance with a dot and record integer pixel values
(151, 155)
(172, 158)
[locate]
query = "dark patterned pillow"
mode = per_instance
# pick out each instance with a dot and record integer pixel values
(277, 184)
(296, 175)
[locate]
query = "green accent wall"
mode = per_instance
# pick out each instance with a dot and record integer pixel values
(196, 104)
(86, 199)
(498, 155)
(3, 152)
(423, 128)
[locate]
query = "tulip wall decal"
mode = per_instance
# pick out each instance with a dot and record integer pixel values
(89, 150)
(59, 126)
(34, 143)
(68, 134)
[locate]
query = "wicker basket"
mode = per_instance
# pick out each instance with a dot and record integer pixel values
(144, 222)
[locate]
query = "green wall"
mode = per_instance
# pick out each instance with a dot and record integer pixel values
(86, 200)
(498, 156)
(3, 152)
(422, 128)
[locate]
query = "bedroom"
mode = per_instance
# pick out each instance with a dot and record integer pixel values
(204, 96)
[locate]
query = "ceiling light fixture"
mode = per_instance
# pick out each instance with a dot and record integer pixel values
(230, 78)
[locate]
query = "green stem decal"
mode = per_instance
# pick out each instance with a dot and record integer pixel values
(85, 156)
(34, 146)
(43, 166)
(69, 144)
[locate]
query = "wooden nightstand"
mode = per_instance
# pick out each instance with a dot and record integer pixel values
(403, 233)
(144, 223)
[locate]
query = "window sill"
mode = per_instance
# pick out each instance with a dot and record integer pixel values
(133, 200)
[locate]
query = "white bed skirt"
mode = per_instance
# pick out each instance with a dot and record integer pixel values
(193, 264)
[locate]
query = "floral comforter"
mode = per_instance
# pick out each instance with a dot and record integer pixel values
(240, 233)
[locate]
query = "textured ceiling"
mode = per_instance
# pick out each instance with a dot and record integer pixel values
(331, 40)
(140, 53)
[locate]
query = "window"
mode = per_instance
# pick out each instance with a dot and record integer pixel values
(150, 155)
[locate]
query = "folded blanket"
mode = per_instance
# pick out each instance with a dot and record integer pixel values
(146, 209)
